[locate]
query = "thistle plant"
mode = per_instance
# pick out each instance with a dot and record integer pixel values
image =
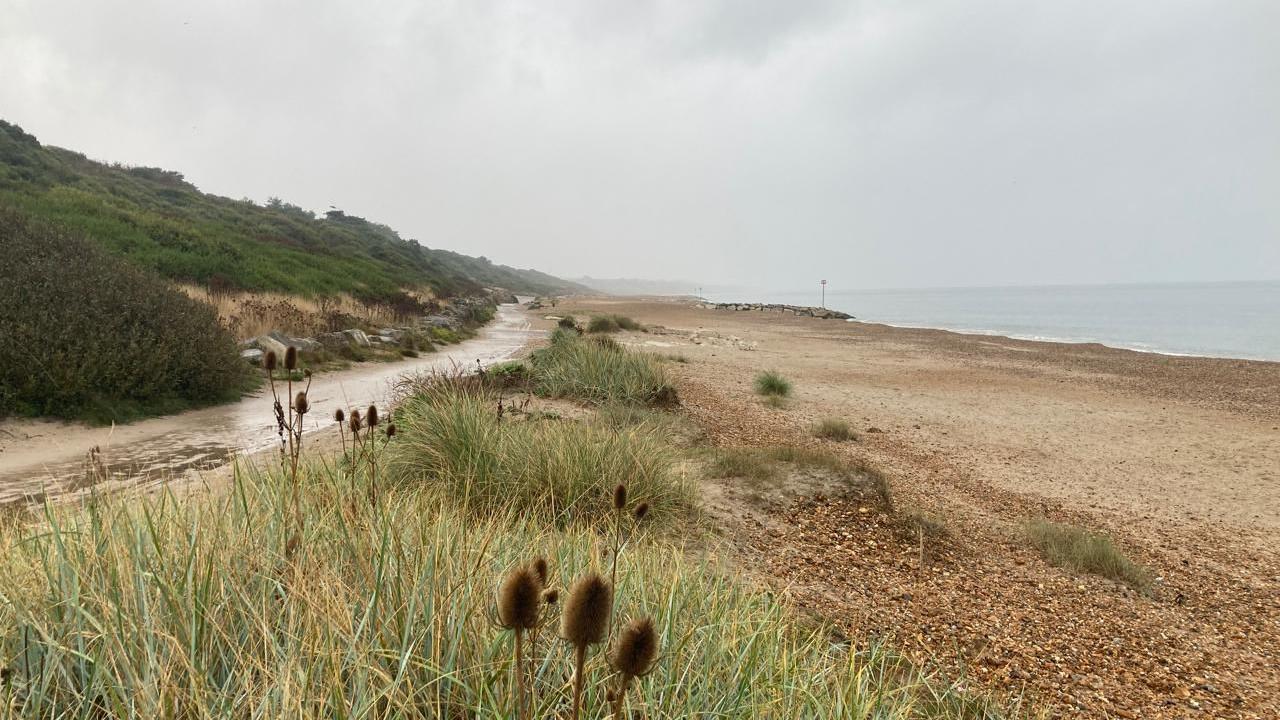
(583, 624)
(289, 427)
(633, 656)
(519, 605)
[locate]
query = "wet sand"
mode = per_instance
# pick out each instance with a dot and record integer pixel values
(39, 458)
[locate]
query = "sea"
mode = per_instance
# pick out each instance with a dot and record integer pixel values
(1219, 319)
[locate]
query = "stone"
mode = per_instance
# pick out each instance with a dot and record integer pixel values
(334, 340)
(267, 344)
(253, 356)
(357, 337)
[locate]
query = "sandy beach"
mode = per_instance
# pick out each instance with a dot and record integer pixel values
(1176, 458)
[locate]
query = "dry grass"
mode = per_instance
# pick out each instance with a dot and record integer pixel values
(253, 314)
(834, 429)
(1084, 550)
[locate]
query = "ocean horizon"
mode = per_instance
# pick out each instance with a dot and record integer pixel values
(1213, 319)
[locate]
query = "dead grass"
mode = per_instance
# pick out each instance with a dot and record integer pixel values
(834, 429)
(1084, 550)
(253, 314)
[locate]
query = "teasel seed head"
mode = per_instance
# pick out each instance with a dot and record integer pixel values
(635, 649)
(620, 497)
(290, 358)
(339, 416)
(300, 403)
(518, 600)
(391, 430)
(551, 596)
(355, 421)
(641, 510)
(540, 569)
(586, 611)
(270, 361)
(371, 416)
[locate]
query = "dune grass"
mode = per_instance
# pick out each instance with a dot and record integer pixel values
(451, 438)
(136, 607)
(598, 370)
(1084, 550)
(771, 384)
(612, 324)
(834, 429)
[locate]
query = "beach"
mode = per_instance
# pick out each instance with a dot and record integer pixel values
(1177, 459)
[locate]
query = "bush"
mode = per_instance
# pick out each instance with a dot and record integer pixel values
(1082, 550)
(834, 429)
(597, 369)
(568, 322)
(770, 383)
(88, 336)
(450, 437)
(612, 324)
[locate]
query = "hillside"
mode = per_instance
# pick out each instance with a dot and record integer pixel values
(155, 219)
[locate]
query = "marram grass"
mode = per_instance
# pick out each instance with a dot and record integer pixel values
(159, 606)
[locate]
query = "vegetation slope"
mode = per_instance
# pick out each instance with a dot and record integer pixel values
(157, 220)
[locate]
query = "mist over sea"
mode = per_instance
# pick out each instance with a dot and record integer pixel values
(1230, 319)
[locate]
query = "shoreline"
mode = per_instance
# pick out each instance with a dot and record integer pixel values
(999, 335)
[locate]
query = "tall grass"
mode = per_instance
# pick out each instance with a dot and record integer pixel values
(164, 606)
(597, 369)
(451, 437)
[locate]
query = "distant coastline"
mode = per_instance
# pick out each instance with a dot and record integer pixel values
(1218, 320)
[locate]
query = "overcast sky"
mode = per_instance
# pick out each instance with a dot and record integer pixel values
(880, 144)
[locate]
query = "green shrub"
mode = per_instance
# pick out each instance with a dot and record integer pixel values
(512, 373)
(1083, 550)
(612, 324)
(597, 369)
(445, 336)
(85, 335)
(603, 324)
(451, 437)
(770, 383)
(834, 429)
(567, 322)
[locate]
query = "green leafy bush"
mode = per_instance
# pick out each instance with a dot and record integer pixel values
(88, 336)
(612, 324)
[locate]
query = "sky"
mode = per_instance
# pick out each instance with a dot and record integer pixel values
(739, 142)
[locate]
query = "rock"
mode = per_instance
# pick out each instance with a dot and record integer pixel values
(357, 337)
(306, 345)
(386, 339)
(267, 344)
(334, 340)
(440, 321)
(503, 296)
(394, 333)
(253, 356)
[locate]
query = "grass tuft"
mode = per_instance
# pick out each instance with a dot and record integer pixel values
(834, 429)
(1084, 550)
(612, 324)
(597, 369)
(772, 384)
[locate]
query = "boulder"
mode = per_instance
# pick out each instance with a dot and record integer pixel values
(306, 345)
(443, 321)
(253, 356)
(267, 344)
(357, 337)
(334, 340)
(394, 333)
